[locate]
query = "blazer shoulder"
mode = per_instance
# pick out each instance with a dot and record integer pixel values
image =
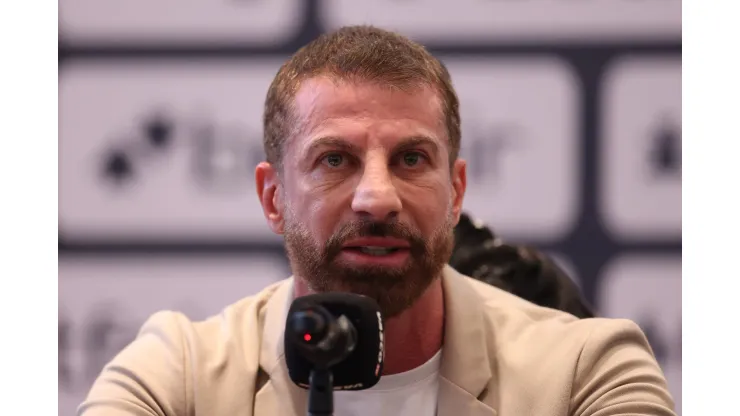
(510, 314)
(502, 304)
(606, 364)
(146, 375)
(171, 356)
(617, 370)
(241, 323)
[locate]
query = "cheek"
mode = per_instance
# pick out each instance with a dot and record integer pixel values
(327, 202)
(312, 198)
(428, 204)
(321, 216)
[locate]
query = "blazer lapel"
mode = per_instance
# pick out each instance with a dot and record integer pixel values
(466, 368)
(279, 395)
(454, 401)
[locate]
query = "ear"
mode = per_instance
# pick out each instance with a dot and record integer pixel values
(269, 193)
(459, 184)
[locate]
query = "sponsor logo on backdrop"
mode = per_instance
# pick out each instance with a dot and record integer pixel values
(221, 158)
(170, 155)
(243, 21)
(647, 290)
(104, 302)
(641, 148)
(487, 146)
(507, 20)
(664, 158)
(520, 138)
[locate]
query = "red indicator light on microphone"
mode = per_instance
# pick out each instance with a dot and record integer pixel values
(307, 337)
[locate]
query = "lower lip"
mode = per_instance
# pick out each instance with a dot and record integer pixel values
(396, 259)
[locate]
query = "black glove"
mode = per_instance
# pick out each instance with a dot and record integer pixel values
(521, 270)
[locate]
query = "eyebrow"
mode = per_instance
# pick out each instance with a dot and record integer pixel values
(331, 142)
(341, 144)
(416, 141)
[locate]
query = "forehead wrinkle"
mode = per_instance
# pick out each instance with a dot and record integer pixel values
(310, 92)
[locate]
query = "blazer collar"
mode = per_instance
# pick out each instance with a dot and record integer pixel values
(466, 368)
(279, 391)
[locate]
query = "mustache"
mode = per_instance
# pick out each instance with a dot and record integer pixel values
(367, 228)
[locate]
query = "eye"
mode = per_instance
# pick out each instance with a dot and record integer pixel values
(333, 160)
(412, 159)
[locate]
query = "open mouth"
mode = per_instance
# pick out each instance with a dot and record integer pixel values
(375, 251)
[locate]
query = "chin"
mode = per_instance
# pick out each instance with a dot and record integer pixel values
(394, 295)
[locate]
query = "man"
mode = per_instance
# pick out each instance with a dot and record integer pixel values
(363, 180)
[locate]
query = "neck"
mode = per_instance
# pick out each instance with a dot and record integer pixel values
(413, 337)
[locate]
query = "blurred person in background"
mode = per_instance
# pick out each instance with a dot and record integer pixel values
(521, 270)
(363, 180)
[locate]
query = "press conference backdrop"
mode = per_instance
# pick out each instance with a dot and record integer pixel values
(571, 128)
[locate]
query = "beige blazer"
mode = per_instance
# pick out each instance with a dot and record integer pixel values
(502, 356)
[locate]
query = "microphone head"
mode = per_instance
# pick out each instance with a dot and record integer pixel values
(356, 361)
(309, 326)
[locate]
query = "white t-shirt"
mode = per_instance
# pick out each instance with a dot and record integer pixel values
(411, 393)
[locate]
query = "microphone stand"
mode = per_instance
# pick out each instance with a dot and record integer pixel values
(334, 345)
(321, 392)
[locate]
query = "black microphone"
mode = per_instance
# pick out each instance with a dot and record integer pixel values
(321, 338)
(333, 341)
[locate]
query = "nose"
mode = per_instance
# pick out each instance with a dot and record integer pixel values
(376, 196)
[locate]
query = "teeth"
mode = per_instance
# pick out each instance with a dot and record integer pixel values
(377, 251)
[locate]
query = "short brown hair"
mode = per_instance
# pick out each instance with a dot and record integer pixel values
(359, 53)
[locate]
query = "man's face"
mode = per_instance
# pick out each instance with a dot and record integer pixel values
(366, 201)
